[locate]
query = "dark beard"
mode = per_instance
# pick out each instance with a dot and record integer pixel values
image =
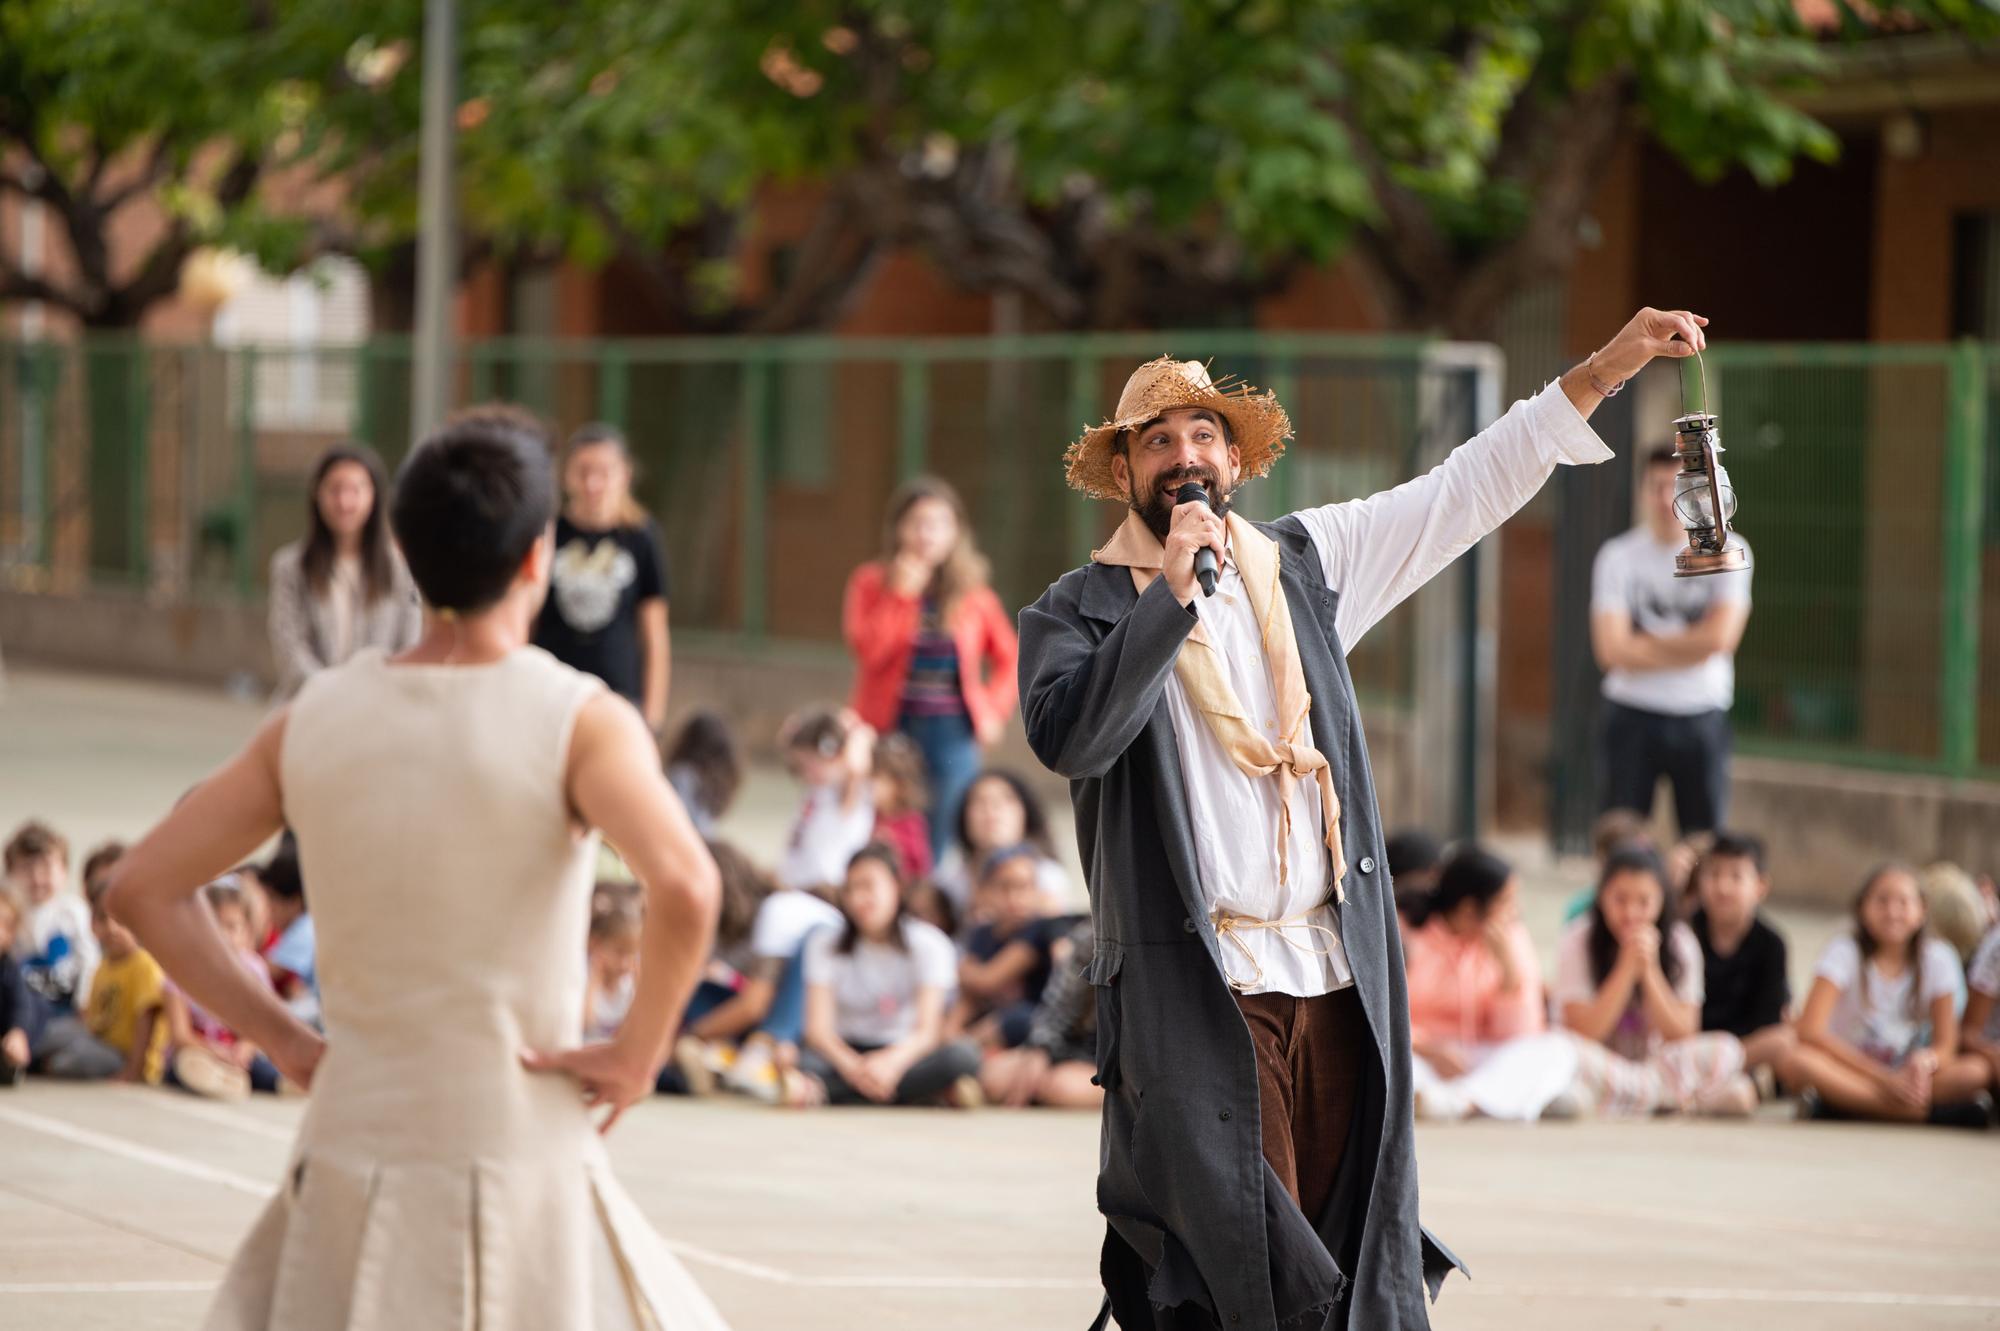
(1158, 510)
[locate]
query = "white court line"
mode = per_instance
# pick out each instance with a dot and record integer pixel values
(117, 1287)
(146, 1155)
(1880, 1298)
(179, 1164)
(208, 1113)
(1707, 1220)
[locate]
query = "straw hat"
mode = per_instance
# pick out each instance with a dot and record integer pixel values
(1259, 425)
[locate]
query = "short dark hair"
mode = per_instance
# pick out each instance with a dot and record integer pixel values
(280, 874)
(32, 840)
(1663, 455)
(471, 501)
(1740, 846)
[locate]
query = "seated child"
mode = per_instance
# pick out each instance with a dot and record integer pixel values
(875, 1001)
(1613, 828)
(1000, 810)
(902, 804)
(612, 958)
(707, 1043)
(20, 1006)
(1629, 985)
(1414, 857)
(1879, 1035)
(204, 1056)
(1006, 961)
(1981, 1033)
(832, 756)
(126, 1012)
(54, 944)
(705, 769)
(290, 955)
(1745, 985)
(766, 1014)
(1057, 1064)
(1478, 1025)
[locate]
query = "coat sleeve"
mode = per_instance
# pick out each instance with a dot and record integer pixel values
(1083, 704)
(879, 624)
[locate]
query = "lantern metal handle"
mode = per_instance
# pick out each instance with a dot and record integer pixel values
(1701, 372)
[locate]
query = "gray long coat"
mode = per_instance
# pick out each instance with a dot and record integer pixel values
(1201, 1233)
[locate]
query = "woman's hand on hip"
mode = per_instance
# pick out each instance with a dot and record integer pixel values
(611, 1074)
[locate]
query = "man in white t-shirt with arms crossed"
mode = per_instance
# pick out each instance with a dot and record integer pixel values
(1667, 648)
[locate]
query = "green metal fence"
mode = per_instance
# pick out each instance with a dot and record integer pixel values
(180, 468)
(1869, 478)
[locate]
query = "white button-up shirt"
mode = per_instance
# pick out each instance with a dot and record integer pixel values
(1375, 552)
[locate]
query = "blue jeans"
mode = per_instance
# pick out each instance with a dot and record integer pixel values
(951, 755)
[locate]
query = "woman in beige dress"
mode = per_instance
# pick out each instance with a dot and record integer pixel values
(447, 803)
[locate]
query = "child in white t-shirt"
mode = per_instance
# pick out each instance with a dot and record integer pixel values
(833, 756)
(1981, 1033)
(876, 990)
(1879, 1035)
(612, 958)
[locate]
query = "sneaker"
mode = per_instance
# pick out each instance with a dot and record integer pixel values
(9, 1072)
(1443, 1103)
(1975, 1113)
(1814, 1108)
(965, 1093)
(691, 1057)
(1568, 1104)
(1735, 1098)
(209, 1075)
(755, 1075)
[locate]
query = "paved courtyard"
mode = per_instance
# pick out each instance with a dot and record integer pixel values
(119, 1206)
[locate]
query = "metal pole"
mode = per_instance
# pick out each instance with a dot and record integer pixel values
(437, 223)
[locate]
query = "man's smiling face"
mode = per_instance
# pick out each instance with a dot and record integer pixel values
(1179, 446)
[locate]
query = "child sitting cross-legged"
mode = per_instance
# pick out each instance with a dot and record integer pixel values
(1745, 987)
(1006, 962)
(876, 990)
(1879, 1035)
(206, 1058)
(1629, 985)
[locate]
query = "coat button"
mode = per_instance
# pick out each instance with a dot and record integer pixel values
(1189, 926)
(1224, 1116)
(1367, 864)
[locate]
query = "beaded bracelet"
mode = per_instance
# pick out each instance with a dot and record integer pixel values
(1603, 390)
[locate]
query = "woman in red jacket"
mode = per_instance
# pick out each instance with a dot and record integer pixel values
(933, 649)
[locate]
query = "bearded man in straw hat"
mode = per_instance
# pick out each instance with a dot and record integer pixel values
(1257, 1166)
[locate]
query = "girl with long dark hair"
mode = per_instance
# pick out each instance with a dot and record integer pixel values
(343, 586)
(875, 999)
(934, 650)
(1879, 1037)
(1629, 985)
(1478, 1025)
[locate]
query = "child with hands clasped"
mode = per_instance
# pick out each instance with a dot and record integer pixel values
(1629, 985)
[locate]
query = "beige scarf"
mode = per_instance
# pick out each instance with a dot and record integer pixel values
(1199, 668)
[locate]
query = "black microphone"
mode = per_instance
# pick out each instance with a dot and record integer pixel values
(1204, 559)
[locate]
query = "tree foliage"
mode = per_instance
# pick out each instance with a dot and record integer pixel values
(1113, 163)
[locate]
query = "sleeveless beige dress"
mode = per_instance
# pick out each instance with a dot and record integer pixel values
(436, 1183)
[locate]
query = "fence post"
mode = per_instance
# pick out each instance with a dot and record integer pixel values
(1964, 496)
(139, 506)
(1285, 384)
(246, 475)
(1083, 410)
(756, 450)
(913, 410)
(614, 385)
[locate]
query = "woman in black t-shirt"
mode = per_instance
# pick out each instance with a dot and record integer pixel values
(607, 607)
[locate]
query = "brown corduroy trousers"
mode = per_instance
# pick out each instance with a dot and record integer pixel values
(1308, 1072)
